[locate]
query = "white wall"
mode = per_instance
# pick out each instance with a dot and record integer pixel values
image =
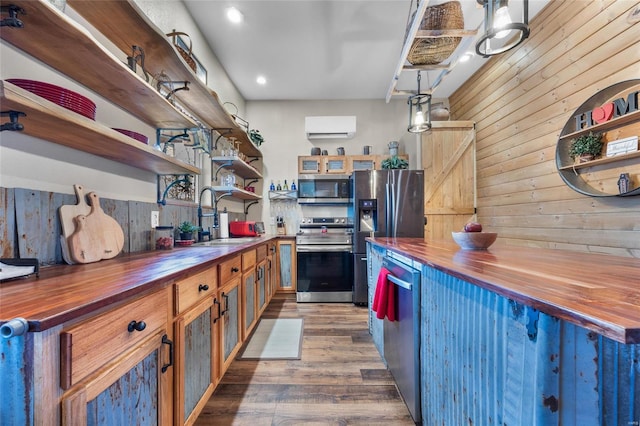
(282, 125)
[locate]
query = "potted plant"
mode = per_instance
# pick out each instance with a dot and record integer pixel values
(586, 147)
(394, 162)
(187, 229)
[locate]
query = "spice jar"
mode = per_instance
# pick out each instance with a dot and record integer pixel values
(164, 237)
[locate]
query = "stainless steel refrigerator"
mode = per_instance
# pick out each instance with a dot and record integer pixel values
(386, 203)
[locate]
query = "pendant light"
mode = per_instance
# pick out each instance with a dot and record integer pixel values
(498, 25)
(419, 111)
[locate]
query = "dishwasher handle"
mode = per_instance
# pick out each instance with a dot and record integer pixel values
(397, 281)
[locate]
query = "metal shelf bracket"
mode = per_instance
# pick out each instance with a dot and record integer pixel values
(13, 124)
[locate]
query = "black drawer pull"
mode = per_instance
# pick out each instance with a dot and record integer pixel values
(203, 287)
(166, 341)
(226, 303)
(215, 302)
(234, 269)
(136, 326)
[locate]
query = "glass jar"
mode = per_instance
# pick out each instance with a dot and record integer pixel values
(164, 237)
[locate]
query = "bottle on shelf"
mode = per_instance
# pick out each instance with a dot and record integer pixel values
(279, 187)
(293, 185)
(285, 187)
(272, 187)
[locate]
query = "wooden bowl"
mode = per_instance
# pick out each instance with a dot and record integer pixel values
(474, 240)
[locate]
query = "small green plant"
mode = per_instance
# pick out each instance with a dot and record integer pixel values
(187, 227)
(256, 137)
(589, 144)
(394, 162)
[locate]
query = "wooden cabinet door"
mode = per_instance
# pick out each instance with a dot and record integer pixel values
(286, 261)
(128, 390)
(230, 325)
(249, 303)
(308, 165)
(363, 162)
(448, 160)
(195, 361)
(336, 164)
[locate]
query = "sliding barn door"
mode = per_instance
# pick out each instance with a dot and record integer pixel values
(449, 162)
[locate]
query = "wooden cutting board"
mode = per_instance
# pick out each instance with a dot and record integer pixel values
(97, 236)
(67, 214)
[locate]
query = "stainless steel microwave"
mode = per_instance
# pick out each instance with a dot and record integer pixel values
(324, 189)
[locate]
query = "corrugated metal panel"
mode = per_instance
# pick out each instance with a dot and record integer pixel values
(487, 360)
(16, 380)
(197, 360)
(375, 254)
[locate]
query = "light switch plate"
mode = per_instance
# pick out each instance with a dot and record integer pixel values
(155, 219)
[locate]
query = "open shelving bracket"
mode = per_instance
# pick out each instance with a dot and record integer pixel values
(13, 124)
(12, 20)
(246, 208)
(220, 167)
(163, 199)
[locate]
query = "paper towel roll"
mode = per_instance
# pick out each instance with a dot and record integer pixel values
(224, 225)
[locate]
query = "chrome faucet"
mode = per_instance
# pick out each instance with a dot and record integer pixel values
(214, 205)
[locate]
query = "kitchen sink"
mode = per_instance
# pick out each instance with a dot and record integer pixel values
(227, 241)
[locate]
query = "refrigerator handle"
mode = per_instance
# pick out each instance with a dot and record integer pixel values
(388, 210)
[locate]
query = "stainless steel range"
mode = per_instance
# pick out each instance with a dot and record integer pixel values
(324, 248)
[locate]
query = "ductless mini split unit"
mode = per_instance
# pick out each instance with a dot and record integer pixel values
(330, 127)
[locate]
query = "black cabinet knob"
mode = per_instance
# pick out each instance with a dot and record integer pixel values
(203, 287)
(234, 269)
(136, 326)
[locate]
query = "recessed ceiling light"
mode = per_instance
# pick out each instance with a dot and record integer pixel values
(465, 57)
(234, 15)
(261, 80)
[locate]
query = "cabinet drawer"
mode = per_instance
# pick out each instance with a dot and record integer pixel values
(89, 345)
(248, 260)
(230, 269)
(192, 289)
(261, 253)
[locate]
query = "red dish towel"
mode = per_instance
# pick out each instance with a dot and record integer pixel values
(384, 299)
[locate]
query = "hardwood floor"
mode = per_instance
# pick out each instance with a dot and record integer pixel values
(340, 379)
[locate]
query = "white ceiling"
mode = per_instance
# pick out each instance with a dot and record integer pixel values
(325, 49)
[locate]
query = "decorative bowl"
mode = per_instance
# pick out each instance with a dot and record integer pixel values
(474, 240)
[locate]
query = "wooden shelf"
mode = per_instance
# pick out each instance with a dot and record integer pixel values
(49, 121)
(53, 38)
(240, 168)
(606, 126)
(237, 192)
(601, 161)
(126, 25)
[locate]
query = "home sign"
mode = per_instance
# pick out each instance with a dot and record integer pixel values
(616, 108)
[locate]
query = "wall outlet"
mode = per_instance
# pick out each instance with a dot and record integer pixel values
(155, 219)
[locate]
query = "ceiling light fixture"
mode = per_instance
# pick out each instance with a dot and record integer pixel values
(466, 56)
(261, 80)
(420, 119)
(234, 15)
(498, 24)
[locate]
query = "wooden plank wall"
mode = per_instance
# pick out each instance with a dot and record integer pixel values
(30, 226)
(520, 101)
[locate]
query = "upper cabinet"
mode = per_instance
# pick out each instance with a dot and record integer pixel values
(55, 39)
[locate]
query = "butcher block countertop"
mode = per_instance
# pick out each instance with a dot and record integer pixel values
(598, 292)
(65, 292)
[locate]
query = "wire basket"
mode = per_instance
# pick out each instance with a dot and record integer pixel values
(185, 51)
(430, 51)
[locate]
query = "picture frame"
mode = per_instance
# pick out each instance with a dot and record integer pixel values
(201, 71)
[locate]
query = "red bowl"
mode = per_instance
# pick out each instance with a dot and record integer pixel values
(58, 95)
(137, 136)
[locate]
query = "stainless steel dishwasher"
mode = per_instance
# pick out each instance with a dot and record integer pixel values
(402, 337)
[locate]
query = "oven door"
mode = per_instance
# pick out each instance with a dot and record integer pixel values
(324, 274)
